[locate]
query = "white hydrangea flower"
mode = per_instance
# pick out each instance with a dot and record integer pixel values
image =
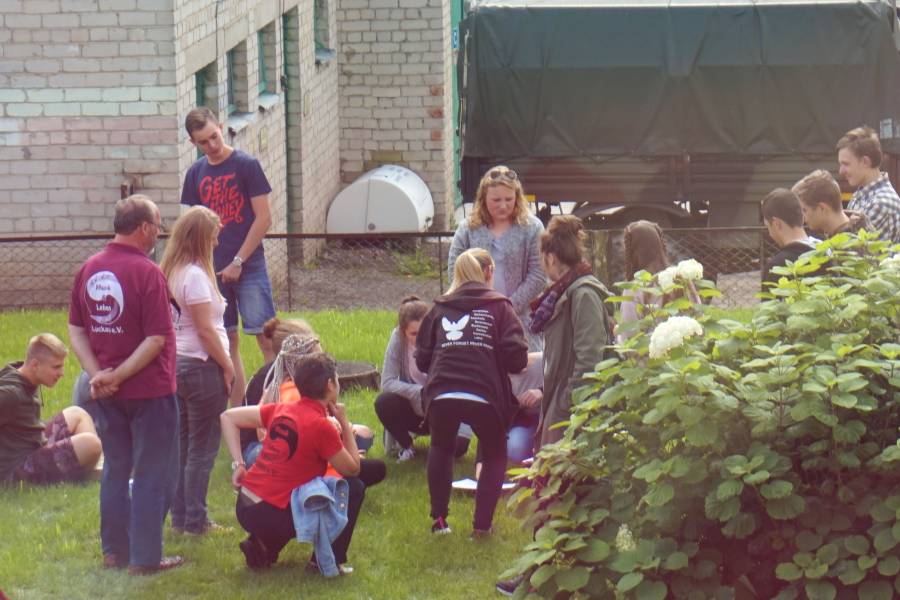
(891, 262)
(690, 269)
(671, 333)
(625, 539)
(666, 277)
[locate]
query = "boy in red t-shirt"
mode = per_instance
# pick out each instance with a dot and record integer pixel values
(300, 443)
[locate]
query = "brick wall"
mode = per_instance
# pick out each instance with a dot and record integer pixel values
(87, 100)
(395, 91)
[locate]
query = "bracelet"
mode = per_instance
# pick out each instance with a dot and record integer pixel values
(235, 464)
(237, 261)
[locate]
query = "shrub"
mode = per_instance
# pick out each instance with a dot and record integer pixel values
(755, 458)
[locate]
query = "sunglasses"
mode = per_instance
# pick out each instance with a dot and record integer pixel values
(503, 173)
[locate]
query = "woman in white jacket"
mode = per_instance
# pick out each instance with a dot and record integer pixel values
(399, 405)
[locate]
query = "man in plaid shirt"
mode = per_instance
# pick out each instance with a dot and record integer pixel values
(859, 158)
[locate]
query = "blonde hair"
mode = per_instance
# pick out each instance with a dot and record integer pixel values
(192, 241)
(278, 330)
(480, 215)
(472, 265)
(45, 345)
(293, 348)
(819, 187)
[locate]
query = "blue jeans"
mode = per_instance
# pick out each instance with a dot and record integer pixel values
(251, 295)
(140, 439)
(201, 399)
(520, 440)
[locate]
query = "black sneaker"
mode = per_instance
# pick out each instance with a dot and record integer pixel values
(440, 526)
(255, 553)
(509, 586)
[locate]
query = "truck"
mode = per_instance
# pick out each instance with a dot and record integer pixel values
(685, 112)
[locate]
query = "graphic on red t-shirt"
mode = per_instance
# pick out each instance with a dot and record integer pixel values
(104, 298)
(222, 195)
(284, 440)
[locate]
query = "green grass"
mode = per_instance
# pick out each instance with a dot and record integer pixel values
(49, 536)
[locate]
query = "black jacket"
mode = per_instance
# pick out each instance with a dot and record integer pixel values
(470, 341)
(790, 252)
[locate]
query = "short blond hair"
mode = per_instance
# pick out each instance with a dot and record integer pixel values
(498, 176)
(44, 346)
(471, 266)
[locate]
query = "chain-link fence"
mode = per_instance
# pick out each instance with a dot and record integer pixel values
(319, 271)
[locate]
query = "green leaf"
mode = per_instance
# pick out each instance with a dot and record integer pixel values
(827, 554)
(572, 579)
(757, 477)
(816, 571)
(866, 562)
(857, 544)
(889, 566)
(882, 513)
(895, 530)
(543, 574)
(884, 541)
(740, 526)
(676, 561)
(776, 489)
(808, 541)
(875, 590)
(702, 434)
(729, 488)
(597, 550)
(651, 590)
(785, 508)
(820, 590)
(649, 472)
(849, 573)
(736, 464)
(788, 572)
(629, 581)
(659, 495)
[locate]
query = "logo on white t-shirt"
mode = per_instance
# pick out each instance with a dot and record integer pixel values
(454, 330)
(105, 298)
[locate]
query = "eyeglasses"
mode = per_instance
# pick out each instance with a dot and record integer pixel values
(160, 226)
(503, 173)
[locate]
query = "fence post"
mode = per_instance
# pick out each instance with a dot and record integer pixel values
(600, 254)
(762, 255)
(290, 286)
(441, 263)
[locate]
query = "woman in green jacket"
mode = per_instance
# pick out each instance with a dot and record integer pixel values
(572, 316)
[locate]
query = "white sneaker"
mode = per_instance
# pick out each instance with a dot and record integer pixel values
(406, 454)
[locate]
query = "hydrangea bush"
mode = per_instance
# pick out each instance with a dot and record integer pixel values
(734, 459)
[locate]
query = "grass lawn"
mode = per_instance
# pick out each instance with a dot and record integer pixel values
(49, 536)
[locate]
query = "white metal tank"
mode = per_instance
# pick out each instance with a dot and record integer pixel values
(388, 199)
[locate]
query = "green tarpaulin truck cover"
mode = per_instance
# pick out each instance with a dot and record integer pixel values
(568, 79)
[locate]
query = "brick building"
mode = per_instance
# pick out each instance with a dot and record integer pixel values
(93, 94)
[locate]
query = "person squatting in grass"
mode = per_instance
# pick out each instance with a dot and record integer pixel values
(64, 448)
(399, 405)
(293, 339)
(468, 344)
(204, 372)
(299, 444)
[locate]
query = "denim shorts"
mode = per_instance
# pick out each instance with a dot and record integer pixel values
(251, 296)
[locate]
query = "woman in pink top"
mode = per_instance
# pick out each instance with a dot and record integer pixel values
(204, 371)
(645, 250)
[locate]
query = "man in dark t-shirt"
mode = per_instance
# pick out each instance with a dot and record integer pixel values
(232, 184)
(784, 220)
(120, 326)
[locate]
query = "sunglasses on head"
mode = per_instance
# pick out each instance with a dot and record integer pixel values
(503, 173)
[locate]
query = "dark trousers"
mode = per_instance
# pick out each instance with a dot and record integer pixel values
(140, 440)
(274, 526)
(398, 417)
(201, 399)
(444, 416)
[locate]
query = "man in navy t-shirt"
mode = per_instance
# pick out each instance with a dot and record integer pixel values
(232, 184)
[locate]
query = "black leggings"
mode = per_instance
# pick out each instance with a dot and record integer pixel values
(274, 526)
(444, 416)
(398, 417)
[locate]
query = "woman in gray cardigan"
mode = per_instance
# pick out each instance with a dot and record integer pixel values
(399, 405)
(501, 224)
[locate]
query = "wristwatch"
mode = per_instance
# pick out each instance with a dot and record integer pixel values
(235, 464)
(238, 261)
